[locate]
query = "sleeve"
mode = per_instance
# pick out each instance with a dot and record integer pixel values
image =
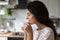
(45, 35)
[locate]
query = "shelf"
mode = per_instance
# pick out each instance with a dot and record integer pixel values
(55, 19)
(9, 18)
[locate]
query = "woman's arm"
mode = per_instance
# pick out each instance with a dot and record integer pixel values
(28, 32)
(25, 36)
(30, 36)
(25, 33)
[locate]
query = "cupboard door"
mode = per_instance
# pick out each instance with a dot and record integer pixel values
(22, 4)
(15, 39)
(3, 38)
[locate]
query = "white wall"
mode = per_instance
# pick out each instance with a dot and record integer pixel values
(53, 7)
(59, 6)
(20, 16)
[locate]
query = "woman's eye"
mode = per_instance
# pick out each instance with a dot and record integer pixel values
(28, 14)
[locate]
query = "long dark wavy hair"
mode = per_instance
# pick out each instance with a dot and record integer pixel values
(39, 10)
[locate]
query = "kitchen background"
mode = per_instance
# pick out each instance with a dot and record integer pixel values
(18, 17)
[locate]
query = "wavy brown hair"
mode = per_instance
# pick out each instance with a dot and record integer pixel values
(39, 10)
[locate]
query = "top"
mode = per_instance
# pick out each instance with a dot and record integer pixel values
(44, 34)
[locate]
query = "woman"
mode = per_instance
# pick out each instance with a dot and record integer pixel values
(37, 13)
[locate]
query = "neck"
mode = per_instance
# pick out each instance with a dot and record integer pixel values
(40, 26)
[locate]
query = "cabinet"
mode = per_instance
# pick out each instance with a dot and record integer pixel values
(3, 38)
(4, 2)
(15, 39)
(10, 36)
(22, 4)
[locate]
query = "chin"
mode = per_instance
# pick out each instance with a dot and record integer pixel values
(31, 23)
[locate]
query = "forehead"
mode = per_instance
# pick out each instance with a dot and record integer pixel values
(28, 12)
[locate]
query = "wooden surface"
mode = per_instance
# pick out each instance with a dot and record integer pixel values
(9, 34)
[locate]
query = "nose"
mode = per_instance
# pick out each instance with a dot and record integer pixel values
(27, 17)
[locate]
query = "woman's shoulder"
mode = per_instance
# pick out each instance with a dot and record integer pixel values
(47, 33)
(44, 30)
(44, 33)
(47, 29)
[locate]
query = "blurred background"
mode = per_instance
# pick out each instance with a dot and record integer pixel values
(13, 16)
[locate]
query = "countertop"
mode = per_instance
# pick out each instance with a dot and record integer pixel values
(9, 34)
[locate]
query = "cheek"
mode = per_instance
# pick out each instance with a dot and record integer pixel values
(31, 20)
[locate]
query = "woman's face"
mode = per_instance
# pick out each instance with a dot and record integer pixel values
(30, 17)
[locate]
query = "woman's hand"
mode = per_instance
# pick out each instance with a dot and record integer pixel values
(27, 28)
(28, 33)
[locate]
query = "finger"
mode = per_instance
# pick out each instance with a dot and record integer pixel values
(26, 23)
